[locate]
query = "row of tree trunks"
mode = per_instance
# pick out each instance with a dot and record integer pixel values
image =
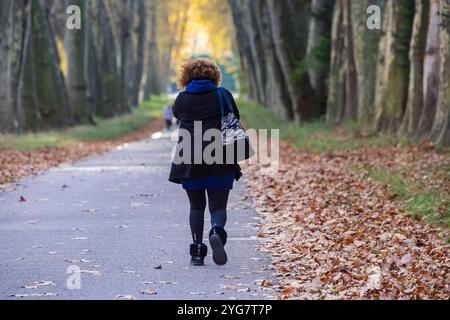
(272, 42)
(390, 75)
(168, 25)
(54, 77)
(397, 68)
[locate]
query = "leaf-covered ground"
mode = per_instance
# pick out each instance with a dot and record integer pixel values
(338, 225)
(18, 164)
(336, 231)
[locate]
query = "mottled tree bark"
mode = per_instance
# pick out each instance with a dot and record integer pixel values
(393, 66)
(76, 44)
(274, 85)
(57, 12)
(153, 82)
(127, 18)
(109, 98)
(290, 20)
(337, 81)
(257, 59)
(141, 35)
(351, 81)
(366, 45)
(13, 23)
(441, 127)
(430, 74)
(43, 96)
(415, 102)
(243, 45)
(318, 49)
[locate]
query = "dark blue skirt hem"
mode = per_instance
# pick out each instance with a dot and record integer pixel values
(218, 183)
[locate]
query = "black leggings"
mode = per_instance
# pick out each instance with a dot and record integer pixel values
(217, 201)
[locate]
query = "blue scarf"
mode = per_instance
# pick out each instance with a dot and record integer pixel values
(200, 86)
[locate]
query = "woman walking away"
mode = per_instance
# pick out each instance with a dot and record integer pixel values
(199, 102)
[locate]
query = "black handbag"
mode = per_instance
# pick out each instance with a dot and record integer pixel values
(234, 139)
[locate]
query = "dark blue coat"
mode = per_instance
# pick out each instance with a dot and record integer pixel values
(204, 107)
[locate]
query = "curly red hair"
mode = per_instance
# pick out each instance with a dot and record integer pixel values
(198, 69)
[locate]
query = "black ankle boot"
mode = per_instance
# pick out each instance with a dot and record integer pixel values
(217, 240)
(198, 254)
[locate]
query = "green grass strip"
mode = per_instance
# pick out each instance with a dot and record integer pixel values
(104, 130)
(420, 200)
(318, 136)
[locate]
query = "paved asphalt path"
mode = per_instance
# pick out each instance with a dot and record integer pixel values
(116, 219)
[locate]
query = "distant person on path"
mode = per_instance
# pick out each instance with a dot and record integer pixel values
(168, 116)
(199, 101)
